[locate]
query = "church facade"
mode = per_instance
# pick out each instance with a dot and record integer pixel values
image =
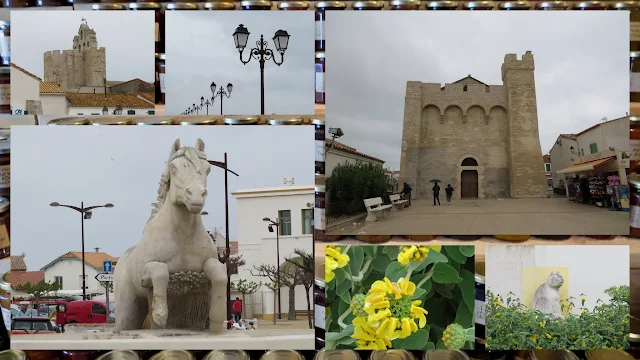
(83, 66)
(482, 139)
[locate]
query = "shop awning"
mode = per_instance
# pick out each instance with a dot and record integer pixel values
(588, 166)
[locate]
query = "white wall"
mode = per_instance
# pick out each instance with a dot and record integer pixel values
(610, 134)
(71, 272)
(98, 111)
(335, 158)
(258, 246)
(588, 273)
(561, 158)
(53, 104)
(23, 88)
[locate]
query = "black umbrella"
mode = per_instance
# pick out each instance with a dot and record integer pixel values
(435, 181)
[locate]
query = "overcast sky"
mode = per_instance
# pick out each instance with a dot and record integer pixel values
(128, 36)
(122, 165)
(201, 50)
(581, 58)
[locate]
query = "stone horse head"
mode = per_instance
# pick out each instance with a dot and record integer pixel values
(184, 181)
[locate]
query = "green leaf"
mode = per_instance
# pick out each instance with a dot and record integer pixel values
(467, 250)
(380, 264)
(416, 341)
(395, 271)
(346, 341)
(369, 250)
(346, 297)
(441, 345)
(391, 251)
(420, 277)
(455, 254)
(420, 292)
(356, 256)
(464, 316)
(445, 274)
(442, 290)
(343, 287)
(471, 334)
(336, 336)
(430, 346)
(330, 345)
(433, 257)
(467, 288)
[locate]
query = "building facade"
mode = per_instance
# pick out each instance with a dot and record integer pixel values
(562, 155)
(293, 206)
(66, 270)
(84, 65)
(483, 139)
(337, 153)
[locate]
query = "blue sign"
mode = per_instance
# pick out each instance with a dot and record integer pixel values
(107, 266)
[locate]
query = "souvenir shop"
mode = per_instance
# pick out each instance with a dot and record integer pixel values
(601, 182)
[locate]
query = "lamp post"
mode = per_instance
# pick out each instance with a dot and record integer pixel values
(221, 94)
(85, 214)
(105, 111)
(277, 225)
(261, 52)
(118, 110)
(224, 165)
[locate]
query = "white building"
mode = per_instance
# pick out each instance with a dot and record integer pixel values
(562, 155)
(608, 135)
(293, 206)
(66, 270)
(340, 154)
(99, 103)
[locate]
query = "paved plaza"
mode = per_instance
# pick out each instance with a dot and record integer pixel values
(546, 216)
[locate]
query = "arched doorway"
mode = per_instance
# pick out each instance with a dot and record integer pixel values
(469, 184)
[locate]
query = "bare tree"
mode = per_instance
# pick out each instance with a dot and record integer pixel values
(245, 287)
(273, 286)
(288, 278)
(304, 262)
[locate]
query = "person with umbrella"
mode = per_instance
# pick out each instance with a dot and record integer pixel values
(436, 191)
(406, 191)
(449, 191)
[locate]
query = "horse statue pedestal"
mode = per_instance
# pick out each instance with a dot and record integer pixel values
(173, 279)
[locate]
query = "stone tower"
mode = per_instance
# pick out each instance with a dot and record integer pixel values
(84, 65)
(482, 139)
(526, 175)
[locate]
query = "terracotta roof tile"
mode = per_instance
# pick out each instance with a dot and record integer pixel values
(344, 148)
(89, 100)
(128, 81)
(25, 71)
(91, 258)
(48, 87)
(22, 277)
(17, 263)
(149, 96)
(568, 136)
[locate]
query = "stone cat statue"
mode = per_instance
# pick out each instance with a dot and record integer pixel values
(547, 296)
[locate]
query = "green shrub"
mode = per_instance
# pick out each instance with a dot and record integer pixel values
(512, 326)
(350, 184)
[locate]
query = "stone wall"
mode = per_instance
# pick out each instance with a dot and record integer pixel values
(132, 87)
(445, 124)
(73, 69)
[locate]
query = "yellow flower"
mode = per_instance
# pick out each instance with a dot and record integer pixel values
(390, 310)
(366, 337)
(538, 348)
(333, 260)
(548, 336)
(542, 324)
(416, 253)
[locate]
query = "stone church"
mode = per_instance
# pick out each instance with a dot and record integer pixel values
(482, 139)
(83, 66)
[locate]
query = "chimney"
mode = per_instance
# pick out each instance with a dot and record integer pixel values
(97, 250)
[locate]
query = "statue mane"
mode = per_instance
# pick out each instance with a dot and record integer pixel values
(193, 155)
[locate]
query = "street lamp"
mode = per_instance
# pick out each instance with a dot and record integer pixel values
(261, 52)
(105, 111)
(224, 165)
(221, 94)
(118, 110)
(85, 214)
(277, 225)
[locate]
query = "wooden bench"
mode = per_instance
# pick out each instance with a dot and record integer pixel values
(397, 202)
(374, 206)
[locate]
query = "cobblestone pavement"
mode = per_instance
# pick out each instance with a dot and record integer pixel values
(549, 216)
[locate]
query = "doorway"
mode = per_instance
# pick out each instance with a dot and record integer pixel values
(469, 184)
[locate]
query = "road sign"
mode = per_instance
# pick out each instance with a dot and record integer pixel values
(107, 266)
(104, 277)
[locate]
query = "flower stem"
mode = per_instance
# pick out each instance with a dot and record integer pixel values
(363, 271)
(425, 279)
(342, 317)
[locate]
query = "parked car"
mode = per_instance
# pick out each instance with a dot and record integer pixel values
(32, 325)
(84, 312)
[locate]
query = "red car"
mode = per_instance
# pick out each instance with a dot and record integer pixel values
(84, 312)
(32, 325)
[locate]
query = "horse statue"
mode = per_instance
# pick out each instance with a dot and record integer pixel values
(173, 278)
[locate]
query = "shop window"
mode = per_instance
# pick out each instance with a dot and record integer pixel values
(151, 112)
(548, 167)
(131, 112)
(594, 148)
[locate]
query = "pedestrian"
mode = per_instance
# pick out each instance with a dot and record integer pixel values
(237, 309)
(406, 191)
(449, 191)
(24, 311)
(436, 194)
